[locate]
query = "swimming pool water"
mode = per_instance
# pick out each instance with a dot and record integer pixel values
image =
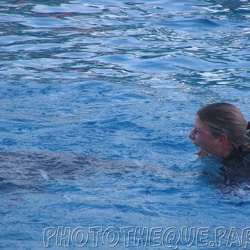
(97, 100)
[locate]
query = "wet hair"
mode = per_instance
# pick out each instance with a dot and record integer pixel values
(225, 118)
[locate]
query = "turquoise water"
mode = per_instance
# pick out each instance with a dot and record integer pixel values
(97, 100)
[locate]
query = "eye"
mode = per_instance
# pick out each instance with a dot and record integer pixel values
(196, 131)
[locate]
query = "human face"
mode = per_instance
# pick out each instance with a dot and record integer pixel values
(201, 136)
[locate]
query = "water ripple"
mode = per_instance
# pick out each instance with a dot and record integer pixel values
(117, 40)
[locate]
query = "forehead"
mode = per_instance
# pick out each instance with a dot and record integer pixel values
(200, 124)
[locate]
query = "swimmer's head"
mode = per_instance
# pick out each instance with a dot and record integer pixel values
(219, 128)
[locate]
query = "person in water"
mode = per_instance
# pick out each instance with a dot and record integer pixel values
(222, 131)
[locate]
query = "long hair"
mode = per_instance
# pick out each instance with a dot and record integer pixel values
(225, 118)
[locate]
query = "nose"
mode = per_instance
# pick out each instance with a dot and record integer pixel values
(191, 135)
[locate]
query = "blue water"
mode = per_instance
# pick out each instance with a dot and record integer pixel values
(97, 100)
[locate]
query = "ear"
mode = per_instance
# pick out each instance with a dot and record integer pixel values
(223, 139)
